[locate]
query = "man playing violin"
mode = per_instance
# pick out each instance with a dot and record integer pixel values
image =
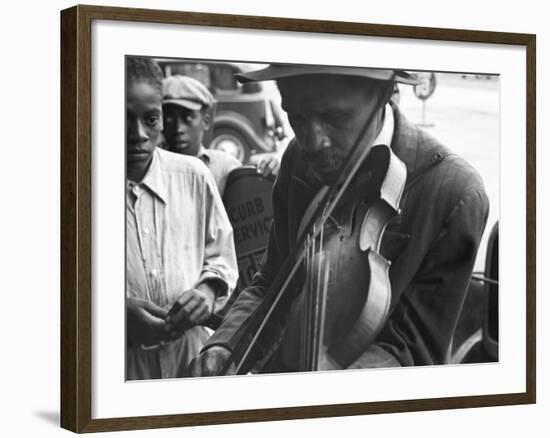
(431, 243)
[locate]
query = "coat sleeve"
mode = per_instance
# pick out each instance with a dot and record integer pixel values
(235, 321)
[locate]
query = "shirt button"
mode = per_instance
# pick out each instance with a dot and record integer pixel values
(154, 272)
(146, 230)
(136, 190)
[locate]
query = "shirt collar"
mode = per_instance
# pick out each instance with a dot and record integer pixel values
(386, 133)
(153, 178)
(203, 154)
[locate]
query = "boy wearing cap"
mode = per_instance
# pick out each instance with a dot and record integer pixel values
(188, 106)
(187, 109)
(180, 254)
(432, 243)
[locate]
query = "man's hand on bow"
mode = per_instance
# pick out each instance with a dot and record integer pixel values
(209, 363)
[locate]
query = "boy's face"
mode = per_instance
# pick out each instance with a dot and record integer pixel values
(184, 129)
(143, 122)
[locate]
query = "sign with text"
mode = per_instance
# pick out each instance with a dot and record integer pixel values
(247, 200)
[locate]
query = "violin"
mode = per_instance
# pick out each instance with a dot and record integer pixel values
(346, 291)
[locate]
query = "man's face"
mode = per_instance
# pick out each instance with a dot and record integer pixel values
(184, 129)
(143, 122)
(327, 114)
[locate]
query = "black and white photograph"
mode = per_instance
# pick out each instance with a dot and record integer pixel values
(289, 218)
(275, 219)
(272, 219)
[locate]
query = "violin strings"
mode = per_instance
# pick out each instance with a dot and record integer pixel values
(311, 306)
(303, 327)
(323, 307)
(304, 348)
(305, 341)
(321, 295)
(316, 336)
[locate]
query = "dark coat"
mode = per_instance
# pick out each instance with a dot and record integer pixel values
(432, 245)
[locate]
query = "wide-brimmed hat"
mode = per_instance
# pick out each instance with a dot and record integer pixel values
(187, 92)
(279, 71)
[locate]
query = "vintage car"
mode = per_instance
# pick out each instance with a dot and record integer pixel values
(247, 121)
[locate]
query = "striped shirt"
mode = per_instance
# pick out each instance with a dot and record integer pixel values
(177, 235)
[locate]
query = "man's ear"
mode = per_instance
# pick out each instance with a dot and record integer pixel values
(206, 120)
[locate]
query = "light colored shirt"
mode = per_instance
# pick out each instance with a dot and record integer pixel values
(220, 164)
(177, 236)
(386, 133)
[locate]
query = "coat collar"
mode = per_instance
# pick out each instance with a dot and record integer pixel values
(405, 140)
(418, 150)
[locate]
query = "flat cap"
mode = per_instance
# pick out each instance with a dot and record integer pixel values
(279, 71)
(187, 92)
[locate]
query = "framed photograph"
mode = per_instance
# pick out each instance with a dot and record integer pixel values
(266, 218)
